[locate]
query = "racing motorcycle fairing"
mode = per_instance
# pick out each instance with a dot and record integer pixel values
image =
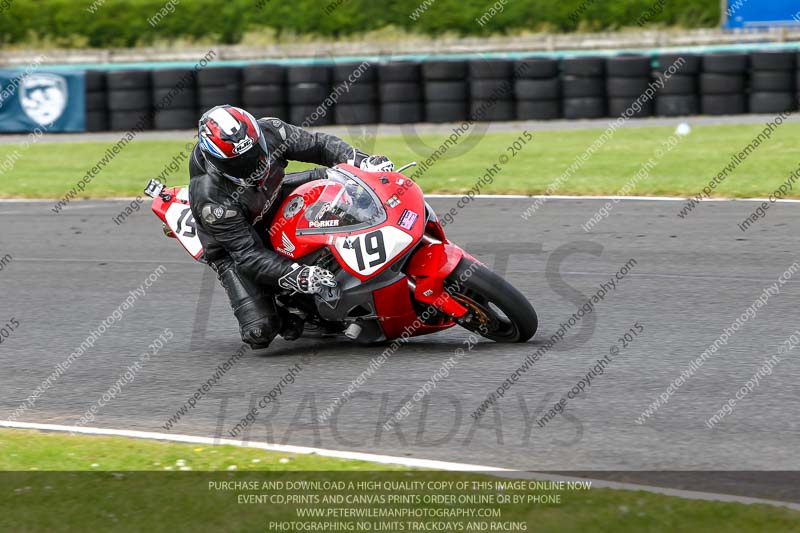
(363, 220)
(171, 205)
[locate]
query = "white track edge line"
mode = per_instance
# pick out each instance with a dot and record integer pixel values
(402, 461)
(607, 197)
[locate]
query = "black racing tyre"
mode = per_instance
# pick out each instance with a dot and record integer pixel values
(584, 66)
(722, 83)
(486, 89)
(677, 105)
(774, 81)
(677, 84)
(497, 310)
(263, 95)
(537, 89)
(628, 66)
(399, 72)
(581, 86)
(307, 93)
(491, 69)
(175, 99)
(619, 106)
(219, 76)
(175, 119)
(723, 104)
(684, 64)
(95, 80)
(97, 121)
(443, 69)
(356, 114)
(355, 71)
(208, 97)
(128, 80)
(308, 115)
(446, 91)
(277, 111)
(129, 100)
(621, 87)
(96, 101)
(402, 113)
(538, 109)
(128, 120)
(583, 108)
(168, 78)
(399, 92)
(360, 93)
(726, 63)
(439, 112)
(492, 110)
(772, 102)
(772, 60)
(263, 74)
(308, 74)
(536, 68)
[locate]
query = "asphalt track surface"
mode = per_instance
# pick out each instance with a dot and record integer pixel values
(692, 278)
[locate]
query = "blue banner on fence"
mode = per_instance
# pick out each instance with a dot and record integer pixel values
(35, 100)
(763, 13)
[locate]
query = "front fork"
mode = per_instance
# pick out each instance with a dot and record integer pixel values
(427, 270)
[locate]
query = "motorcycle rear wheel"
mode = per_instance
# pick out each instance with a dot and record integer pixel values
(497, 310)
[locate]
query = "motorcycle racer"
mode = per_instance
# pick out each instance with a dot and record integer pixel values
(237, 180)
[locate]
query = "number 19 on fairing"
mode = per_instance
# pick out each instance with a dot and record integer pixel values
(373, 245)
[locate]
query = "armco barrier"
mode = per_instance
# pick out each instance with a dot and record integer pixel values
(441, 90)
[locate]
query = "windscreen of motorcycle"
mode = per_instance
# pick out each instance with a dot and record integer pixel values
(341, 204)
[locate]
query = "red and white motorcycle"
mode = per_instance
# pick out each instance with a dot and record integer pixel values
(397, 273)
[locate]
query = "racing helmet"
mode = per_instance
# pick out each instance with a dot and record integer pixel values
(233, 144)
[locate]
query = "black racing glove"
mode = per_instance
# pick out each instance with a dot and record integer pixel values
(371, 163)
(377, 163)
(307, 279)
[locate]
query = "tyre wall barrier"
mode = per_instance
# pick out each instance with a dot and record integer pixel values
(442, 90)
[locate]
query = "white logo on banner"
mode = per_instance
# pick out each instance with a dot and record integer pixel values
(43, 97)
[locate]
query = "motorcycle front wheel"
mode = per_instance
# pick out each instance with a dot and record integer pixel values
(497, 310)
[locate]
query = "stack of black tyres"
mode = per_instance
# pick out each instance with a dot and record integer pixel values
(359, 103)
(678, 95)
(264, 90)
(491, 90)
(96, 101)
(723, 84)
(219, 86)
(400, 92)
(174, 99)
(627, 80)
(446, 90)
(773, 82)
(583, 87)
(129, 100)
(537, 89)
(307, 88)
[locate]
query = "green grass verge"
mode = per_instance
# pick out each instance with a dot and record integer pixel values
(49, 171)
(117, 484)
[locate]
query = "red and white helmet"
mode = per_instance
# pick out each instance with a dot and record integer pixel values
(232, 143)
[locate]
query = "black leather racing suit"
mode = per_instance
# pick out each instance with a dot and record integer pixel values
(230, 219)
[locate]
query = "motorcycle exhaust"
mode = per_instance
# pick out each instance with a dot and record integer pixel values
(353, 331)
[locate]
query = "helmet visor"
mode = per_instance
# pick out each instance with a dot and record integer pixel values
(249, 168)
